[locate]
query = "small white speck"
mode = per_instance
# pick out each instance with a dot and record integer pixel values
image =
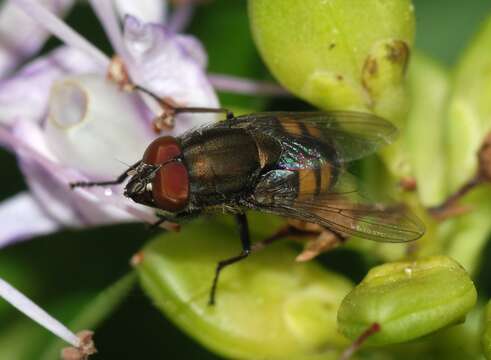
(108, 192)
(408, 271)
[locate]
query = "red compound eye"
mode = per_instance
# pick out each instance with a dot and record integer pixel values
(161, 150)
(170, 187)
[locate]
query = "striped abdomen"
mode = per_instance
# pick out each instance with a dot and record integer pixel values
(309, 155)
(294, 179)
(315, 180)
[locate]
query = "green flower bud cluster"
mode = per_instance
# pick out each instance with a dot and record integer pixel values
(267, 307)
(349, 55)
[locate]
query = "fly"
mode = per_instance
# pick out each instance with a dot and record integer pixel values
(291, 164)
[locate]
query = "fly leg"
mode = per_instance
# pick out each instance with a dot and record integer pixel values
(325, 241)
(171, 225)
(171, 109)
(282, 233)
(246, 250)
(162, 219)
(118, 73)
(320, 239)
(116, 181)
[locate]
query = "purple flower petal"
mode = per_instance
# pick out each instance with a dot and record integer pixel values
(20, 37)
(57, 27)
(192, 47)
(107, 16)
(49, 183)
(147, 10)
(181, 16)
(70, 208)
(23, 218)
(239, 85)
(169, 65)
(26, 94)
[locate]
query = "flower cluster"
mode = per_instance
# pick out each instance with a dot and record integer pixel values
(85, 127)
(65, 121)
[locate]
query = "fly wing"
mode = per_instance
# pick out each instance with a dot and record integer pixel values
(340, 208)
(352, 134)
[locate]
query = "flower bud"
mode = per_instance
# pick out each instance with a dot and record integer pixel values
(337, 54)
(267, 306)
(408, 300)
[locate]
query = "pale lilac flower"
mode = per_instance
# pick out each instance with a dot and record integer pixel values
(182, 16)
(66, 122)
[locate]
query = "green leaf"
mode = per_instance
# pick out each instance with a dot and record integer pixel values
(444, 37)
(486, 335)
(408, 300)
(425, 128)
(470, 109)
(267, 306)
(470, 232)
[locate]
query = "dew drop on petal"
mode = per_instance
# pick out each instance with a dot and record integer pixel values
(140, 36)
